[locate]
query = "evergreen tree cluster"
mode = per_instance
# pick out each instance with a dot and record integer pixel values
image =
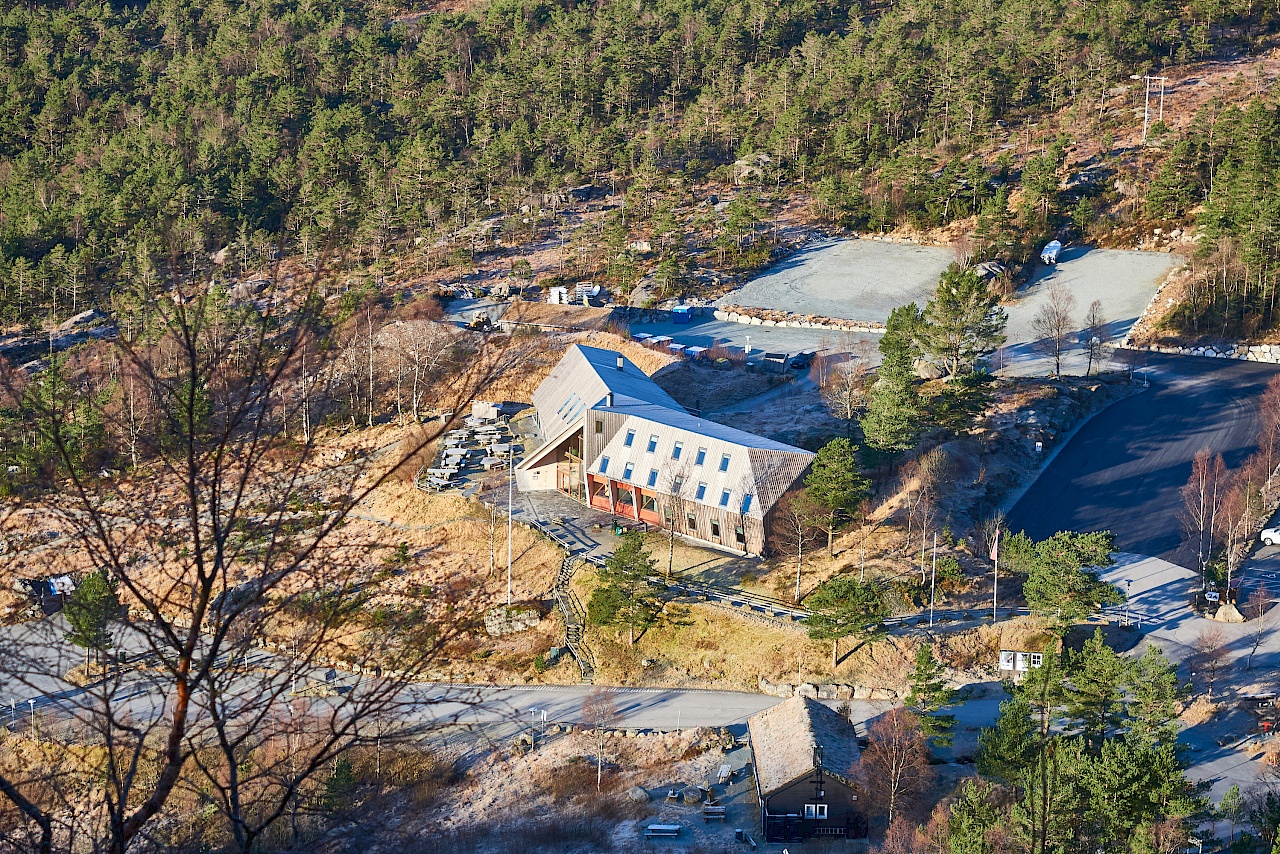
(236, 124)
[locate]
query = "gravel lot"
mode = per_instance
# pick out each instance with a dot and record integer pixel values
(1122, 280)
(853, 279)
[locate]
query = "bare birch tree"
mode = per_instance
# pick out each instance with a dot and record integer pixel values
(1053, 324)
(1202, 498)
(1097, 333)
(241, 592)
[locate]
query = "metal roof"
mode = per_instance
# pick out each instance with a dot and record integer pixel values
(734, 463)
(582, 379)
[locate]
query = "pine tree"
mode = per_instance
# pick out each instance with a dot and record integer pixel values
(972, 815)
(836, 484)
(962, 323)
(843, 606)
(892, 419)
(1096, 679)
(625, 597)
(1009, 746)
(1154, 698)
(929, 693)
(88, 611)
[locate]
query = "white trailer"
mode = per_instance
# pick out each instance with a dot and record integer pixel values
(1049, 254)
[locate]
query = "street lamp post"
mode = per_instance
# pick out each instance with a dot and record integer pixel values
(1128, 590)
(32, 703)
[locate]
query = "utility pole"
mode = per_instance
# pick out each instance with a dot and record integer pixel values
(511, 479)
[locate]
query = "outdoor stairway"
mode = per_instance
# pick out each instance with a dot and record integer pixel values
(574, 616)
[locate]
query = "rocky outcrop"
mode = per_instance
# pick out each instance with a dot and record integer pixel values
(830, 691)
(505, 620)
(775, 317)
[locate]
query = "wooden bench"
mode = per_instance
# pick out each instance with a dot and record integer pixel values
(713, 812)
(669, 831)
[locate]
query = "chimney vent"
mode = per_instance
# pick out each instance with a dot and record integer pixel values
(619, 361)
(608, 400)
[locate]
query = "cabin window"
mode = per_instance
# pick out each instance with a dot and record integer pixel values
(739, 534)
(724, 463)
(653, 443)
(701, 493)
(631, 437)
(724, 498)
(746, 503)
(691, 522)
(1036, 659)
(599, 426)
(627, 472)
(677, 450)
(815, 811)
(647, 503)
(653, 477)
(715, 530)
(666, 514)
(701, 457)
(677, 484)
(604, 465)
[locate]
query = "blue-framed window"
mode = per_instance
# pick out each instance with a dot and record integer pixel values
(746, 503)
(724, 498)
(604, 465)
(653, 477)
(702, 492)
(701, 457)
(677, 450)
(724, 463)
(628, 471)
(653, 443)
(631, 437)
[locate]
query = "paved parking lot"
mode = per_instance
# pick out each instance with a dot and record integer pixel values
(1123, 470)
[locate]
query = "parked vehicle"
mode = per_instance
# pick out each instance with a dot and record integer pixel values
(1270, 536)
(802, 360)
(1049, 254)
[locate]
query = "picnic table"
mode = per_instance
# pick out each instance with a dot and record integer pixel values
(499, 448)
(667, 830)
(445, 472)
(491, 463)
(456, 452)
(722, 776)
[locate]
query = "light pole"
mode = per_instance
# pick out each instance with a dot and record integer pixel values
(1128, 590)
(32, 703)
(748, 348)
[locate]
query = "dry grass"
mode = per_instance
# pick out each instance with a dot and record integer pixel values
(540, 355)
(1199, 711)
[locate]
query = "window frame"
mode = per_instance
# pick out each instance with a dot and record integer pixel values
(599, 426)
(604, 465)
(653, 478)
(628, 470)
(715, 529)
(701, 493)
(816, 812)
(725, 462)
(652, 447)
(676, 450)
(725, 495)
(746, 502)
(701, 457)
(630, 439)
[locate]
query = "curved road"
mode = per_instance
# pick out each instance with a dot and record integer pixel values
(1123, 470)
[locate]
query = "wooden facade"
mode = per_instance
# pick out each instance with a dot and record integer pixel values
(815, 804)
(805, 755)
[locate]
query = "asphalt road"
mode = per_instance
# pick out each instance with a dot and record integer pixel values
(1123, 470)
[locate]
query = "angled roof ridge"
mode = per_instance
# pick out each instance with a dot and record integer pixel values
(785, 739)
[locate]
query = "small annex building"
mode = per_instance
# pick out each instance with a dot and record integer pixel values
(804, 755)
(615, 441)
